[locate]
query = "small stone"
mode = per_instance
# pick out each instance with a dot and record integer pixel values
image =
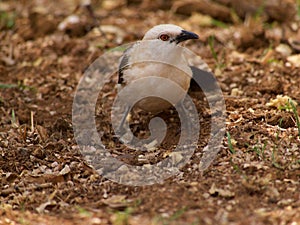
(294, 59)
(284, 50)
(236, 92)
(65, 170)
(96, 221)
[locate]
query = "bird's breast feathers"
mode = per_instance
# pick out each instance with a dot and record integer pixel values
(152, 59)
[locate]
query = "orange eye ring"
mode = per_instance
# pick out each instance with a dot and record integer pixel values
(164, 37)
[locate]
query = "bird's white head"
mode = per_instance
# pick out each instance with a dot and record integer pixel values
(169, 33)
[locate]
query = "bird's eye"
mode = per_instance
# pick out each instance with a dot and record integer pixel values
(164, 37)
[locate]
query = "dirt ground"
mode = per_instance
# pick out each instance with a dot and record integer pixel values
(254, 52)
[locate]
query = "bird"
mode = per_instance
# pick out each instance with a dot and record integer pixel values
(157, 55)
(166, 37)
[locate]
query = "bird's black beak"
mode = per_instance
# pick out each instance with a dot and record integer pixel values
(185, 35)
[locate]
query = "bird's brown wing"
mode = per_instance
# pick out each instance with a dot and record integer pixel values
(124, 63)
